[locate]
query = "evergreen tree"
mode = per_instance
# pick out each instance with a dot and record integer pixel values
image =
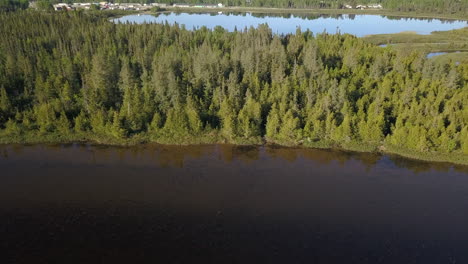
(228, 120)
(63, 124)
(81, 123)
(273, 123)
(173, 85)
(250, 119)
(290, 128)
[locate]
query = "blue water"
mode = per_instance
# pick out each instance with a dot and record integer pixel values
(434, 54)
(359, 25)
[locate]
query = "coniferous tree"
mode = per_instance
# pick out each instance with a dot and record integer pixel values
(168, 84)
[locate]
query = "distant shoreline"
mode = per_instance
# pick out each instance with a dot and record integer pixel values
(384, 12)
(210, 139)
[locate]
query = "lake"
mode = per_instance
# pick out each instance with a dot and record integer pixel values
(227, 204)
(434, 54)
(359, 25)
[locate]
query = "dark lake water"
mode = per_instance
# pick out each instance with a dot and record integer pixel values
(359, 25)
(227, 204)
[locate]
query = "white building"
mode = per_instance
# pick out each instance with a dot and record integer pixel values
(159, 5)
(375, 6)
(181, 5)
(62, 6)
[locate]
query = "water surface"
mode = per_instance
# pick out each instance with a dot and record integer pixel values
(227, 204)
(359, 25)
(434, 54)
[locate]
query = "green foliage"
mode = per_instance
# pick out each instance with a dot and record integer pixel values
(290, 128)
(228, 120)
(250, 119)
(156, 123)
(344, 133)
(193, 116)
(12, 129)
(117, 129)
(96, 80)
(13, 5)
(94, 7)
(273, 123)
(63, 125)
(45, 118)
(5, 106)
(81, 123)
(157, 9)
(98, 122)
(464, 140)
(177, 123)
(44, 5)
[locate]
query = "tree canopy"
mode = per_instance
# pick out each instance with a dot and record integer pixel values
(77, 75)
(13, 5)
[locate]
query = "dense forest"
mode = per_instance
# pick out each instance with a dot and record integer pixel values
(70, 76)
(12, 5)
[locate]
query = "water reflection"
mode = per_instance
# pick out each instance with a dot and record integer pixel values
(224, 203)
(417, 166)
(285, 23)
(307, 16)
(166, 156)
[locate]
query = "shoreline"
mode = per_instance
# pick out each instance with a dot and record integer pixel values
(108, 132)
(207, 139)
(384, 12)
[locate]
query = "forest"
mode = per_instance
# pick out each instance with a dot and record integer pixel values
(75, 76)
(12, 5)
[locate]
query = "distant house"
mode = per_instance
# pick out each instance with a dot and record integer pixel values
(159, 5)
(375, 6)
(181, 5)
(62, 6)
(81, 5)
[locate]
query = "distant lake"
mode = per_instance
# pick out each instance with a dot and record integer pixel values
(227, 204)
(434, 54)
(359, 25)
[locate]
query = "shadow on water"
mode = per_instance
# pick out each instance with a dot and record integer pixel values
(175, 156)
(81, 203)
(418, 166)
